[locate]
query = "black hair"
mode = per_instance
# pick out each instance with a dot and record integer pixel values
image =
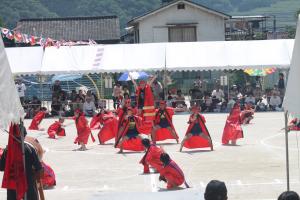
(215, 190)
(165, 158)
(146, 142)
(289, 195)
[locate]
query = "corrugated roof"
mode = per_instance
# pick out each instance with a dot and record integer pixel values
(104, 28)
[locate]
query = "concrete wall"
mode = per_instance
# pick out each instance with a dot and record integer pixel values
(153, 28)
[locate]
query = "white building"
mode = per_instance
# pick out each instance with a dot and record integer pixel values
(179, 21)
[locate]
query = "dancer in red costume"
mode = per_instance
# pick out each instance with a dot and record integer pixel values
(48, 178)
(109, 126)
(83, 130)
(56, 129)
(129, 137)
(171, 173)
(163, 125)
(37, 119)
(294, 125)
(145, 99)
(152, 156)
(233, 130)
(247, 114)
(197, 135)
(95, 122)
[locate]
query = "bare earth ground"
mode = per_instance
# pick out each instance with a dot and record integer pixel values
(255, 169)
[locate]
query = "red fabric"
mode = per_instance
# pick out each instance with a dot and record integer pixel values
(14, 174)
(173, 174)
(248, 112)
(109, 129)
(146, 127)
(148, 109)
(133, 144)
(37, 119)
(295, 123)
(56, 129)
(197, 141)
(233, 129)
(152, 158)
(83, 130)
(1, 152)
(48, 178)
(95, 122)
(164, 133)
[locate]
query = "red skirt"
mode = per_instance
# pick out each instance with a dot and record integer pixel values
(232, 131)
(163, 134)
(133, 144)
(108, 131)
(195, 142)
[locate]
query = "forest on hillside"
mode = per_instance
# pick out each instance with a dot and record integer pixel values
(13, 10)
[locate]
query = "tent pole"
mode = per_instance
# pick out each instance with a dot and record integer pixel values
(287, 150)
(22, 134)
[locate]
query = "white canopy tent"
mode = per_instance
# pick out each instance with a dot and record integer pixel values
(152, 56)
(291, 101)
(11, 109)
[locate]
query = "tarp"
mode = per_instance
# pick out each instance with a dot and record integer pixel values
(181, 56)
(11, 109)
(291, 101)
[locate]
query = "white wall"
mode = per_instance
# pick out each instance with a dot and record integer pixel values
(210, 27)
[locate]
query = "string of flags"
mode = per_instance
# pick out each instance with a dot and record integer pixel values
(19, 37)
(260, 72)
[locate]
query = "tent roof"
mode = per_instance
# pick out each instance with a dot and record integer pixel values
(291, 101)
(185, 56)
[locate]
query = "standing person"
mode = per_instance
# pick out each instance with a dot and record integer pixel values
(117, 91)
(129, 134)
(157, 90)
(163, 125)
(145, 99)
(83, 130)
(152, 156)
(21, 88)
(233, 130)
(56, 88)
(37, 119)
(56, 129)
(197, 135)
(15, 179)
(171, 172)
(109, 126)
(281, 85)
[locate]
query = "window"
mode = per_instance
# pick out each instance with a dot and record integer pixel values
(182, 34)
(180, 6)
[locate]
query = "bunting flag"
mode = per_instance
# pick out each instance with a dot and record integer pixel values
(44, 42)
(260, 72)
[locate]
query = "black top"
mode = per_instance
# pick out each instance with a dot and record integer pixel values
(281, 84)
(32, 164)
(141, 98)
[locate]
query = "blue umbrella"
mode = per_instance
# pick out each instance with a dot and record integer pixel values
(66, 77)
(134, 75)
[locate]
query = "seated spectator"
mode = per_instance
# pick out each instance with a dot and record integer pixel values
(257, 93)
(250, 99)
(218, 94)
(90, 95)
(262, 104)
(77, 104)
(275, 102)
(34, 106)
(56, 107)
(289, 195)
(81, 95)
(180, 100)
(207, 105)
(215, 190)
(73, 96)
(89, 107)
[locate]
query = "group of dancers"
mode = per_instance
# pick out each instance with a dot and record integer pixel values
(139, 128)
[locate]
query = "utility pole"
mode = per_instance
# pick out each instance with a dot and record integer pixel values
(274, 27)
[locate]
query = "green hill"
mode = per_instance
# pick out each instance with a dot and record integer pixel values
(13, 10)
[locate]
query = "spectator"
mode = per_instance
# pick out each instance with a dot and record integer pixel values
(230, 104)
(81, 96)
(125, 89)
(56, 107)
(116, 93)
(233, 93)
(207, 105)
(289, 195)
(77, 104)
(89, 107)
(196, 95)
(126, 97)
(250, 99)
(73, 96)
(35, 105)
(218, 93)
(157, 90)
(21, 90)
(180, 100)
(56, 88)
(215, 190)
(262, 103)
(275, 102)
(90, 95)
(281, 85)
(257, 93)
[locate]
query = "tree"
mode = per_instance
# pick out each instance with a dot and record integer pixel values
(297, 13)
(1, 22)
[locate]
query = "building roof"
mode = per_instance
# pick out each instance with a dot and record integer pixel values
(166, 6)
(103, 28)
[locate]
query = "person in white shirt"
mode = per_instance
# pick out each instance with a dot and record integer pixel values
(275, 102)
(218, 93)
(21, 90)
(89, 107)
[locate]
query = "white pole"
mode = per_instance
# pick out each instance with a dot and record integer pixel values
(287, 150)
